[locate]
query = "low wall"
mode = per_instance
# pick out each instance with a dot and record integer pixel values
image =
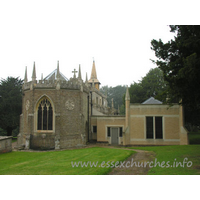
(5, 144)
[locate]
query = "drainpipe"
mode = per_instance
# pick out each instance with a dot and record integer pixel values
(88, 117)
(91, 103)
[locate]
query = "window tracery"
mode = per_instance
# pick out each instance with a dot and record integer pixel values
(45, 115)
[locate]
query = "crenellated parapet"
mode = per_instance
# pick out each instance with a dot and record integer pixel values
(73, 84)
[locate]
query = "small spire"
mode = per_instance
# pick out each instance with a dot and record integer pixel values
(86, 79)
(25, 76)
(112, 103)
(93, 73)
(94, 76)
(79, 72)
(58, 71)
(34, 73)
(42, 76)
(127, 97)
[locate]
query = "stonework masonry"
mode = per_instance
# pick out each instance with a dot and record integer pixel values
(71, 103)
(69, 125)
(5, 144)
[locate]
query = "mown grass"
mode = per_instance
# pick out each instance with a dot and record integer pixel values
(175, 154)
(59, 162)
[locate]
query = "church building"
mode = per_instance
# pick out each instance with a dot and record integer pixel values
(60, 113)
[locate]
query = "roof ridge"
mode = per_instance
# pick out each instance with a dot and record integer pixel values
(55, 72)
(152, 100)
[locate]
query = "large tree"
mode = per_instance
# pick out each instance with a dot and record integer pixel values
(10, 103)
(152, 85)
(179, 59)
(137, 94)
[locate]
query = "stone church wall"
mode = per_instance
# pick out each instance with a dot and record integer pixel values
(69, 118)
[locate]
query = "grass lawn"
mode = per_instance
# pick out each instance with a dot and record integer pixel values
(175, 154)
(59, 162)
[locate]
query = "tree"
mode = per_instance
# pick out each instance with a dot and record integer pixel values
(115, 93)
(179, 59)
(10, 103)
(118, 95)
(152, 85)
(137, 93)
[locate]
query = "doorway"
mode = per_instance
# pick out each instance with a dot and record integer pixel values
(114, 136)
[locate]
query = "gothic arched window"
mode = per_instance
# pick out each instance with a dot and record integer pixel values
(45, 115)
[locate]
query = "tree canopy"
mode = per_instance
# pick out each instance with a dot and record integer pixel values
(116, 93)
(152, 85)
(10, 103)
(179, 59)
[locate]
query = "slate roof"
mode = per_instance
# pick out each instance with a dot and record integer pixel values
(53, 76)
(151, 100)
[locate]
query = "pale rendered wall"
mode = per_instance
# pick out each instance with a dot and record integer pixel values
(171, 124)
(102, 122)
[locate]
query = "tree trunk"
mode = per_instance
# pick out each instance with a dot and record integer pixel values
(9, 131)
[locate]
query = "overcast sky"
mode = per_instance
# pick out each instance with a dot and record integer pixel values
(116, 33)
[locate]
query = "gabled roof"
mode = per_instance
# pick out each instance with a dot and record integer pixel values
(53, 76)
(151, 100)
